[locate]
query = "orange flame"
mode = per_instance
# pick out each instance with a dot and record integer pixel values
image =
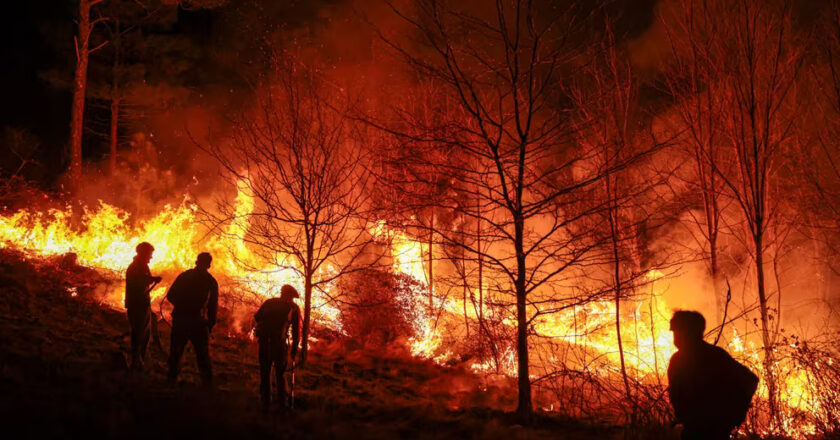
(107, 236)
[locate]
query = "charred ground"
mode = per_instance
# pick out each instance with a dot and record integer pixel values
(63, 374)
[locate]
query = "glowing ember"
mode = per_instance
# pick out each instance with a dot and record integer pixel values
(104, 237)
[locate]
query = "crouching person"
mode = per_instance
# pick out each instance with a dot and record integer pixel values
(195, 299)
(274, 318)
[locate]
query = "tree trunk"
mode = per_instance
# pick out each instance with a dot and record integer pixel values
(431, 271)
(480, 270)
(480, 260)
(710, 205)
(307, 307)
(614, 235)
(705, 158)
(115, 102)
(466, 294)
(714, 272)
(769, 358)
(524, 380)
(115, 115)
(79, 89)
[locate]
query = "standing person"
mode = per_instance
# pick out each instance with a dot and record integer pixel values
(274, 318)
(710, 391)
(138, 283)
(195, 297)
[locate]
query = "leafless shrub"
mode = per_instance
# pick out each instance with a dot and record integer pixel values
(379, 307)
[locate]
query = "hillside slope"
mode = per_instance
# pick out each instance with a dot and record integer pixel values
(63, 374)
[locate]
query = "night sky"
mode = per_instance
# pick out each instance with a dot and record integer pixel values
(28, 101)
(32, 46)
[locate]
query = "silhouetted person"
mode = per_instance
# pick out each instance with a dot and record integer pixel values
(138, 281)
(274, 318)
(195, 297)
(709, 390)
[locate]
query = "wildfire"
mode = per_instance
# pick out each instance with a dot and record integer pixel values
(105, 236)
(406, 253)
(795, 389)
(645, 330)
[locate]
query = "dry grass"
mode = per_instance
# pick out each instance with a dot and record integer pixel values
(63, 374)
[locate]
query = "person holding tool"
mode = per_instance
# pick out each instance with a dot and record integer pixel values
(139, 282)
(274, 318)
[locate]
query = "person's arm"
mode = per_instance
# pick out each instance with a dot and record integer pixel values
(260, 313)
(147, 277)
(258, 317)
(213, 303)
(174, 289)
(295, 318)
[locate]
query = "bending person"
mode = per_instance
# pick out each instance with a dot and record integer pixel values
(274, 318)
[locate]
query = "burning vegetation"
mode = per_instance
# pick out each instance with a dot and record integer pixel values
(524, 191)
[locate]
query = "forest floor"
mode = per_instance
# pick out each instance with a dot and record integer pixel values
(63, 374)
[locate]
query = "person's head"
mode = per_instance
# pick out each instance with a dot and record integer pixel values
(144, 251)
(288, 292)
(203, 261)
(688, 327)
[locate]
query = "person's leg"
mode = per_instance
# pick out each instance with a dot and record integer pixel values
(279, 355)
(132, 334)
(200, 338)
(177, 342)
(135, 324)
(265, 372)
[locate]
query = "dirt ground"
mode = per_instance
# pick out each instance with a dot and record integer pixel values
(63, 375)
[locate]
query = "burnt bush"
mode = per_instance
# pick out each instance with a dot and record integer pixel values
(379, 307)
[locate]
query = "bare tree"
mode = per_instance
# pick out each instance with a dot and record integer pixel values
(115, 100)
(760, 71)
(510, 147)
(305, 167)
(123, 28)
(614, 123)
(83, 51)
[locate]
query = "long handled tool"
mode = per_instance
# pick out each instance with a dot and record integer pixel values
(152, 287)
(154, 323)
(292, 388)
(291, 395)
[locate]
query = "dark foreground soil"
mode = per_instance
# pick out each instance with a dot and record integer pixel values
(63, 375)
